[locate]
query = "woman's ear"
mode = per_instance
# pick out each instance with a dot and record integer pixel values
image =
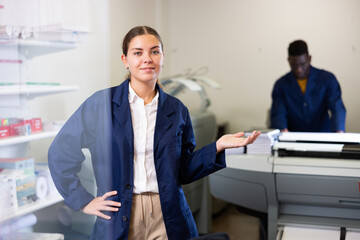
(123, 58)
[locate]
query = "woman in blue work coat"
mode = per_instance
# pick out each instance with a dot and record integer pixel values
(141, 143)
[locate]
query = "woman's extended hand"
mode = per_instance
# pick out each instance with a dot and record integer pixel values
(99, 204)
(235, 140)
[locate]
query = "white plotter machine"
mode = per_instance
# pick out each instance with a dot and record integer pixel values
(307, 184)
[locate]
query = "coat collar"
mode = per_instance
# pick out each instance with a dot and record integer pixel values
(164, 118)
(121, 111)
(311, 83)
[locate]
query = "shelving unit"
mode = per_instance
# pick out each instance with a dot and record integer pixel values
(32, 207)
(32, 91)
(32, 48)
(14, 98)
(28, 138)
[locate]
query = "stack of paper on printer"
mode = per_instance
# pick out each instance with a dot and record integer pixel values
(264, 143)
(301, 233)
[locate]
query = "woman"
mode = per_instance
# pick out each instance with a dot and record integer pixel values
(141, 142)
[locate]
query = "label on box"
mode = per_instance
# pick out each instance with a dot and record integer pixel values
(35, 124)
(16, 129)
(4, 131)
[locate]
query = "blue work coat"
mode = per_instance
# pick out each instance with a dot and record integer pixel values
(103, 125)
(308, 112)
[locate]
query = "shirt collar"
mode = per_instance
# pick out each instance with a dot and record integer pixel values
(133, 96)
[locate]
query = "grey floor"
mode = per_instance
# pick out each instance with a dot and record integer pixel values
(237, 224)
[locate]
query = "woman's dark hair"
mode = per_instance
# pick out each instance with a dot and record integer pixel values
(297, 48)
(138, 31)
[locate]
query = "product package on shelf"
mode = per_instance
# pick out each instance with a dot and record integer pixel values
(19, 126)
(4, 131)
(25, 189)
(8, 200)
(21, 19)
(35, 124)
(56, 125)
(44, 184)
(63, 36)
(21, 170)
(26, 164)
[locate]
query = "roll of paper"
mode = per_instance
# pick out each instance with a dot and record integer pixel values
(41, 187)
(16, 224)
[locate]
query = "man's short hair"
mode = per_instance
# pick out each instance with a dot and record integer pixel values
(297, 48)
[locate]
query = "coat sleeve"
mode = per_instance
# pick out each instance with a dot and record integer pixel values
(336, 105)
(200, 163)
(65, 157)
(278, 112)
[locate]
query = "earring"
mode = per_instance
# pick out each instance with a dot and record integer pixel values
(127, 68)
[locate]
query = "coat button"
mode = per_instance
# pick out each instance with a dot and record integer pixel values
(128, 186)
(124, 218)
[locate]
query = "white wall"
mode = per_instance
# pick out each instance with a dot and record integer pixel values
(243, 43)
(125, 15)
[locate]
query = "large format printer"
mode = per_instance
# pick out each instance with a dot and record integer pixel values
(308, 181)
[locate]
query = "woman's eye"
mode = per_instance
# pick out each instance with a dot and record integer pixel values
(156, 52)
(137, 53)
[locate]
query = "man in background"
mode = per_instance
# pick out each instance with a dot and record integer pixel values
(306, 99)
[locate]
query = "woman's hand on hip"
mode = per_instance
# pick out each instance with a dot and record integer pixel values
(99, 204)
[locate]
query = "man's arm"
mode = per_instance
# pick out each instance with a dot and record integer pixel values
(336, 106)
(278, 114)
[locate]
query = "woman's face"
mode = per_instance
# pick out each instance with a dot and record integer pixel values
(144, 58)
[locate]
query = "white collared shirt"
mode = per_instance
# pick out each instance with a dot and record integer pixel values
(143, 121)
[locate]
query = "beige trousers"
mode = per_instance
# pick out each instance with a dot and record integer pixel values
(146, 220)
